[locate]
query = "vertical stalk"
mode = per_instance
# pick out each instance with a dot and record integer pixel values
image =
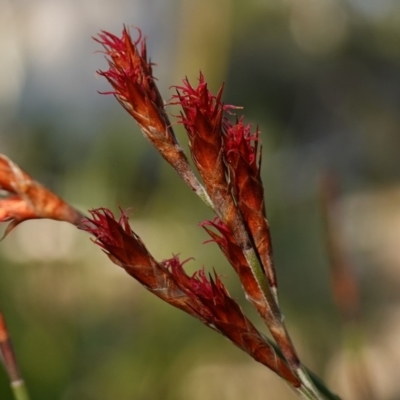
(17, 383)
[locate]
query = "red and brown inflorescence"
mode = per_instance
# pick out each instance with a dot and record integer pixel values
(131, 76)
(203, 118)
(206, 299)
(228, 159)
(27, 199)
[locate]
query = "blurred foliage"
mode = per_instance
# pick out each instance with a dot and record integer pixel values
(320, 78)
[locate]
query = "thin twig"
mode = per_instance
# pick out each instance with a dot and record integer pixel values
(17, 383)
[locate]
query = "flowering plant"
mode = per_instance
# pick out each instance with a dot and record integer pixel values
(227, 155)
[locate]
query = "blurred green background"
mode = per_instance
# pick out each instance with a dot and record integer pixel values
(322, 80)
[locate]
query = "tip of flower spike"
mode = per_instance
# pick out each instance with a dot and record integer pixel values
(210, 287)
(113, 43)
(103, 225)
(129, 72)
(174, 264)
(198, 99)
(215, 223)
(198, 284)
(240, 140)
(220, 226)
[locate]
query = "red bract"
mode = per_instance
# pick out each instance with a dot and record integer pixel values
(103, 228)
(27, 199)
(240, 142)
(244, 160)
(199, 103)
(202, 117)
(129, 73)
(197, 286)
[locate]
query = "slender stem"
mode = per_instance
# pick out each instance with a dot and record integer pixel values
(17, 383)
(19, 390)
(309, 387)
(304, 394)
(275, 322)
(318, 383)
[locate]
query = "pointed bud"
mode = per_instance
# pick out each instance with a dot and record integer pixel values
(202, 117)
(244, 160)
(130, 75)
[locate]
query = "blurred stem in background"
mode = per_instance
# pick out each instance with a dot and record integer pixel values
(9, 360)
(345, 288)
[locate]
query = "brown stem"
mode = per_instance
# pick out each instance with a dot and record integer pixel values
(7, 352)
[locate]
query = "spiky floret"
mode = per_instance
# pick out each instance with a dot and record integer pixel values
(129, 69)
(241, 142)
(200, 105)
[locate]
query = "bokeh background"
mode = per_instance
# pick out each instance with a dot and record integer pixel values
(322, 80)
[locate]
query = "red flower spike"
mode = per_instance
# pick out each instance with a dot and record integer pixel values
(204, 121)
(27, 199)
(236, 258)
(228, 319)
(240, 142)
(130, 74)
(204, 299)
(127, 250)
(200, 101)
(244, 160)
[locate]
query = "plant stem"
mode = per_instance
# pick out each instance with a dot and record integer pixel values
(19, 390)
(316, 380)
(17, 383)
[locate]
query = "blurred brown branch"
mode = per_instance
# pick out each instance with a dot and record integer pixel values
(345, 286)
(10, 363)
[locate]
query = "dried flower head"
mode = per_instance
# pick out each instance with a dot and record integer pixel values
(27, 199)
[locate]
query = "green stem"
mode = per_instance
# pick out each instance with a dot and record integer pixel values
(317, 381)
(19, 390)
(17, 383)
